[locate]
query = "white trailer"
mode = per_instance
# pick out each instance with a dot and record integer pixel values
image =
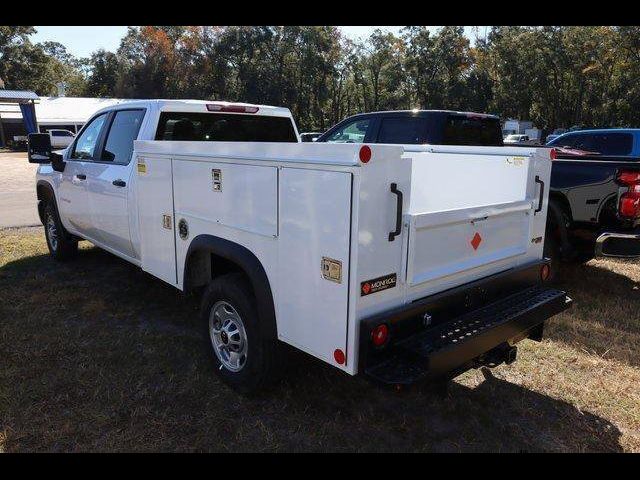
(401, 264)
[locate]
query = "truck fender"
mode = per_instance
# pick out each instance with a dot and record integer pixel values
(45, 191)
(249, 264)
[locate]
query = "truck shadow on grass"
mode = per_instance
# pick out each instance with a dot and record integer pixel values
(604, 318)
(101, 356)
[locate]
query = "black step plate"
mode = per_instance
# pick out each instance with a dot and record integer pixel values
(444, 348)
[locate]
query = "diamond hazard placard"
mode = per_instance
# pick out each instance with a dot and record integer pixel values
(475, 241)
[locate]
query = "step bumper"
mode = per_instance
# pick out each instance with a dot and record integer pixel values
(469, 340)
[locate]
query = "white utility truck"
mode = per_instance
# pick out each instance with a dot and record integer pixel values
(404, 265)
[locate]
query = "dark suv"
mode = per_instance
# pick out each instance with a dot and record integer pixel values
(416, 127)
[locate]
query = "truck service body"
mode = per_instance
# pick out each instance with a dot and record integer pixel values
(404, 264)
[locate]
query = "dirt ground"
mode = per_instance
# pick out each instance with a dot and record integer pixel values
(18, 203)
(99, 356)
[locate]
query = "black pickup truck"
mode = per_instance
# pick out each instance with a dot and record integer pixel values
(594, 198)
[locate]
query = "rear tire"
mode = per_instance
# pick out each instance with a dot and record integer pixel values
(62, 246)
(243, 357)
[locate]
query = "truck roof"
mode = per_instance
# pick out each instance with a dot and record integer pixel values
(170, 105)
(603, 130)
(419, 112)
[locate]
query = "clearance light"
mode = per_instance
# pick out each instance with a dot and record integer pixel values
(339, 357)
(220, 107)
(365, 154)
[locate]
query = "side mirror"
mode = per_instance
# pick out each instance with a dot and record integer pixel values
(39, 148)
(39, 151)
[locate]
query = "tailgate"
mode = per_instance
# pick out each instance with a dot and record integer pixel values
(445, 243)
(471, 215)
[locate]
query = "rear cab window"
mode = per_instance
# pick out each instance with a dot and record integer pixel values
(224, 127)
(471, 130)
(403, 130)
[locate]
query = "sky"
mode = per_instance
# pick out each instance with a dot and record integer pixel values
(83, 41)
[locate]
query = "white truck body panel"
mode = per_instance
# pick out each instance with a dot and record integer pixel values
(295, 206)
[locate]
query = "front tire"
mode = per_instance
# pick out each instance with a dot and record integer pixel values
(62, 246)
(243, 357)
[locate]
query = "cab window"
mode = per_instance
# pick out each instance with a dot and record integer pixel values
(85, 146)
(403, 130)
(224, 127)
(122, 132)
(353, 132)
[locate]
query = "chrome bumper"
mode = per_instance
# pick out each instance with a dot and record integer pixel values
(621, 245)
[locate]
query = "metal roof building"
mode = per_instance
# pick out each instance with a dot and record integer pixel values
(51, 112)
(17, 96)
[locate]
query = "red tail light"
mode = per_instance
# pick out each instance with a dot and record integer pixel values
(380, 335)
(553, 154)
(221, 107)
(629, 206)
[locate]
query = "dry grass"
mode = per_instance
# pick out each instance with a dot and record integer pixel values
(99, 356)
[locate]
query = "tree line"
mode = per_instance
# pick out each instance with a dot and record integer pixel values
(556, 76)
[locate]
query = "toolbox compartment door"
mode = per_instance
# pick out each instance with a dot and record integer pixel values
(156, 217)
(451, 242)
(315, 230)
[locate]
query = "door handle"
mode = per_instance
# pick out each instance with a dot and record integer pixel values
(81, 176)
(541, 199)
(398, 193)
(119, 183)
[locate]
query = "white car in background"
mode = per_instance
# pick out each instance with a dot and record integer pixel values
(61, 138)
(517, 138)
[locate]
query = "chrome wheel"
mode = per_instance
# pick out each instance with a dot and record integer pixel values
(228, 336)
(52, 232)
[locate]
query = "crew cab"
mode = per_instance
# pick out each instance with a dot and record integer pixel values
(403, 265)
(595, 195)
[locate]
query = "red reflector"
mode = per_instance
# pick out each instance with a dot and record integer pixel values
(218, 107)
(379, 335)
(553, 154)
(545, 271)
(365, 154)
(338, 356)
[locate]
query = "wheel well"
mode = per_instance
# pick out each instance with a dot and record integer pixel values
(209, 257)
(203, 266)
(562, 203)
(607, 216)
(44, 192)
